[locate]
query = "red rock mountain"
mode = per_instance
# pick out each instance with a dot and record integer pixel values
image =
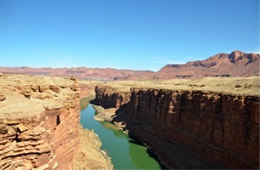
(224, 65)
(236, 63)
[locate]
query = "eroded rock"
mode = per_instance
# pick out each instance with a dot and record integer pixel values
(55, 88)
(3, 130)
(2, 97)
(21, 128)
(29, 134)
(26, 94)
(209, 129)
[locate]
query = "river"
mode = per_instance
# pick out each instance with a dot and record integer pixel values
(125, 152)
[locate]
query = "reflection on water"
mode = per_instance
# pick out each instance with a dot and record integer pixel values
(125, 153)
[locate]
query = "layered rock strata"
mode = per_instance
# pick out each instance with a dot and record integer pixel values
(191, 128)
(109, 97)
(39, 120)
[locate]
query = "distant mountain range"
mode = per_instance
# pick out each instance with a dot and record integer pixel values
(235, 64)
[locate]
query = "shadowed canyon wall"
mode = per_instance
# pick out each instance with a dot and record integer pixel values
(190, 128)
(109, 97)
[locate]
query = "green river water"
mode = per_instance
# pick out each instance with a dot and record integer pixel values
(125, 152)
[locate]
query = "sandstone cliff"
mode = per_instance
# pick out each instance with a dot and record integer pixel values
(191, 128)
(39, 120)
(110, 97)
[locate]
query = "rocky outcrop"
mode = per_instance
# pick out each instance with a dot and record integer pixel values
(191, 128)
(39, 121)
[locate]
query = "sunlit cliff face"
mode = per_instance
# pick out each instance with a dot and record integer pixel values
(39, 118)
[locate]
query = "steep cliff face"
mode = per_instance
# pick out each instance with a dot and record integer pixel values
(39, 120)
(193, 129)
(110, 97)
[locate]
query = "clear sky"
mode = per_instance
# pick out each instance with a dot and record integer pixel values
(129, 34)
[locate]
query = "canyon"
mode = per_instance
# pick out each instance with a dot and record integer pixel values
(203, 123)
(191, 124)
(39, 125)
(235, 64)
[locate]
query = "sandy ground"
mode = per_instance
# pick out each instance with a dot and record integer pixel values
(90, 155)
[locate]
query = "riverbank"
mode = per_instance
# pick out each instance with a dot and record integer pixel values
(125, 152)
(90, 155)
(84, 101)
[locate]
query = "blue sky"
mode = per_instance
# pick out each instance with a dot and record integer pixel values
(129, 34)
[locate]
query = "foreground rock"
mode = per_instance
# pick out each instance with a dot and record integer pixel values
(190, 127)
(39, 120)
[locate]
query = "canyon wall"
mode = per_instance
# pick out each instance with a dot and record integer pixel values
(110, 97)
(191, 128)
(39, 122)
